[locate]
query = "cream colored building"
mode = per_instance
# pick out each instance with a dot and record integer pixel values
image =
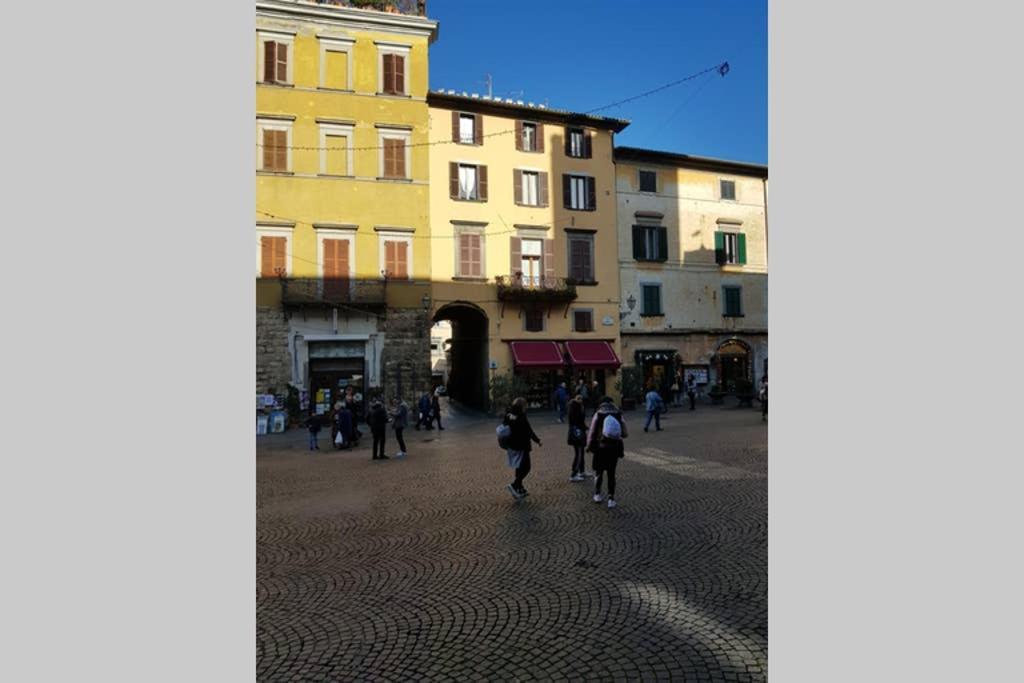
(523, 255)
(693, 262)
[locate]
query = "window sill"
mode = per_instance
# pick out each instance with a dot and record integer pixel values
(333, 175)
(341, 90)
(470, 201)
(468, 144)
(586, 283)
(278, 85)
(569, 208)
(396, 95)
(733, 315)
(652, 315)
(284, 173)
(467, 278)
(581, 331)
(570, 156)
(385, 179)
(651, 260)
(532, 206)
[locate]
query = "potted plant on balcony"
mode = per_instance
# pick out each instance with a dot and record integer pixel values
(629, 387)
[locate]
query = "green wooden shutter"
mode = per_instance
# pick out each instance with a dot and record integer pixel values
(662, 243)
(719, 248)
(741, 241)
(638, 242)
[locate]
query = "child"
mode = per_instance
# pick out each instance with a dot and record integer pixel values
(313, 425)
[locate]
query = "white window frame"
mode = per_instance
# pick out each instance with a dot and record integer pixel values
(472, 129)
(583, 134)
(573, 177)
(593, 323)
(335, 45)
(395, 134)
(336, 129)
(536, 189)
(393, 49)
(463, 229)
(274, 231)
(339, 233)
(263, 124)
(735, 189)
(646, 170)
(522, 143)
(393, 236)
(730, 232)
(476, 181)
(286, 38)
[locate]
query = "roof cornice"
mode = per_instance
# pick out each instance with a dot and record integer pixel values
(366, 19)
(525, 112)
(636, 155)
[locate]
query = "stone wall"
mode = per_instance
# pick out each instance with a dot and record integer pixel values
(406, 360)
(273, 362)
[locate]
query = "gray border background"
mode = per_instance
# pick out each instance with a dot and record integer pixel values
(129, 489)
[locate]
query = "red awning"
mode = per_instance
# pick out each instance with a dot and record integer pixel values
(536, 354)
(592, 354)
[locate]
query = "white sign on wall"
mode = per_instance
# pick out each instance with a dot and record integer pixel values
(607, 320)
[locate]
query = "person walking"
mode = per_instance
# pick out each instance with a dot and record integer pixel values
(583, 391)
(520, 441)
(423, 412)
(435, 412)
(378, 421)
(344, 424)
(654, 404)
(677, 390)
(763, 395)
(691, 391)
(313, 425)
(400, 419)
(561, 398)
(577, 438)
(607, 430)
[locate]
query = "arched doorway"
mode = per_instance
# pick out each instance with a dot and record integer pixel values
(733, 362)
(467, 372)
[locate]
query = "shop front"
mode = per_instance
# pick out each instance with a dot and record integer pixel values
(334, 366)
(592, 361)
(541, 366)
(658, 367)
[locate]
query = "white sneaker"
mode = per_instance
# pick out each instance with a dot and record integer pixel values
(598, 497)
(611, 503)
(576, 477)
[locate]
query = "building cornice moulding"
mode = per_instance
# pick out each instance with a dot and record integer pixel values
(347, 17)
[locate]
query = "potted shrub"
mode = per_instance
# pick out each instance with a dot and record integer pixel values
(629, 386)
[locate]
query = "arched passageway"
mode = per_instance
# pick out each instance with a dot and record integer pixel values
(467, 372)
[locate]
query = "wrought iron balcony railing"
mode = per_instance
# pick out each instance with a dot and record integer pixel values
(519, 287)
(329, 292)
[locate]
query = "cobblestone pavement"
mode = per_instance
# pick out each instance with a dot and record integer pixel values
(426, 568)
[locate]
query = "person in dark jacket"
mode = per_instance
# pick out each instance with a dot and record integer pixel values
(378, 421)
(423, 412)
(607, 451)
(344, 422)
(400, 418)
(435, 412)
(313, 425)
(577, 438)
(519, 440)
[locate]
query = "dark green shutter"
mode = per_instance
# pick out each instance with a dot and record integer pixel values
(591, 194)
(638, 242)
(566, 191)
(741, 241)
(662, 243)
(719, 248)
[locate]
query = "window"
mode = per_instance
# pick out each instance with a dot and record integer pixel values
(728, 189)
(582, 321)
(274, 139)
(394, 153)
(577, 143)
(467, 129)
(470, 257)
(396, 255)
(732, 296)
(275, 67)
(648, 181)
(334, 253)
(579, 192)
(531, 261)
(273, 251)
(650, 243)
(529, 193)
(529, 137)
(466, 135)
(468, 182)
(534, 319)
(335, 63)
(393, 77)
(530, 187)
(336, 149)
(730, 248)
(651, 302)
(581, 258)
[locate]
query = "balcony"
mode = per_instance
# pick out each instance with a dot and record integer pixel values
(416, 8)
(316, 292)
(541, 289)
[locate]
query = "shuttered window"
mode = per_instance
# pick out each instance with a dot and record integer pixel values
(336, 268)
(534, 319)
(733, 301)
(396, 259)
(273, 256)
(650, 243)
(579, 192)
(583, 321)
(275, 150)
(275, 62)
(394, 74)
(471, 254)
(528, 194)
(581, 258)
(730, 248)
(394, 157)
(728, 189)
(651, 301)
(578, 143)
(529, 137)
(648, 181)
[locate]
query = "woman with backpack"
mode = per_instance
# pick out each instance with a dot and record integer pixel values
(519, 441)
(607, 430)
(577, 437)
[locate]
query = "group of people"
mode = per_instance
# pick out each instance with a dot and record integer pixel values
(602, 437)
(682, 386)
(345, 417)
(587, 392)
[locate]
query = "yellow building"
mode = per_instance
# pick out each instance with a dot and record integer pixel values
(693, 254)
(524, 258)
(342, 209)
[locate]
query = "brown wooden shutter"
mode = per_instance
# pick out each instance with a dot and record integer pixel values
(402, 259)
(481, 178)
(542, 188)
(516, 250)
(588, 146)
(453, 180)
(336, 282)
(269, 61)
(549, 260)
(517, 186)
(539, 137)
(282, 63)
(389, 73)
(400, 171)
(388, 158)
(281, 161)
(268, 151)
(478, 129)
(456, 135)
(399, 74)
(463, 254)
(591, 194)
(475, 265)
(266, 256)
(566, 190)
(389, 258)
(519, 135)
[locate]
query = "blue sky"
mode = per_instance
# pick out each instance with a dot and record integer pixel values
(579, 55)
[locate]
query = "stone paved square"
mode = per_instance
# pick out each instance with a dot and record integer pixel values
(426, 568)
